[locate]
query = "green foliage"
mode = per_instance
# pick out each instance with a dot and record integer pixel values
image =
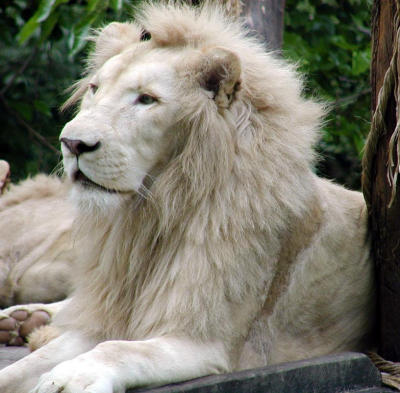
(42, 44)
(331, 42)
(41, 55)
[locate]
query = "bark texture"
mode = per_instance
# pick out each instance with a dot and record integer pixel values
(264, 17)
(385, 220)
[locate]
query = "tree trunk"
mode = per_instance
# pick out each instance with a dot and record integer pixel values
(385, 217)
(265, 17)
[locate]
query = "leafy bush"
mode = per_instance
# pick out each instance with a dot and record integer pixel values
(330, 40)
(41, 54)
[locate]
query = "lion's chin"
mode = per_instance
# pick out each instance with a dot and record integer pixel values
(91, 199)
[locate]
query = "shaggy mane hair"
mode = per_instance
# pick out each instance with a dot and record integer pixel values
(217, 209)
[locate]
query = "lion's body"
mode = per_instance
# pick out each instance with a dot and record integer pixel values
(328, 304)
(36, 253)
(206, 242)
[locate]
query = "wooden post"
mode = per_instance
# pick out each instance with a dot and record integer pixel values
(265, 17)
(385, 220)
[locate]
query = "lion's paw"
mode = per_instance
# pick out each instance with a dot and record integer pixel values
(18, 322)
(81, 374)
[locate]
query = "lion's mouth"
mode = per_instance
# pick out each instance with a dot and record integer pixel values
(83, 180)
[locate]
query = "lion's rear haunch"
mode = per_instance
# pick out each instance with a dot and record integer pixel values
(199, 213)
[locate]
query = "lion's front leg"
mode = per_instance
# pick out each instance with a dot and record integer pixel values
(114, 366)
(23, 375)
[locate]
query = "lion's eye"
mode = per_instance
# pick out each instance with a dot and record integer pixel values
(93, 88)
(145, 36)
(146, 99)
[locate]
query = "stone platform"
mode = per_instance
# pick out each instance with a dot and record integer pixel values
(342, 373)
(10, 355)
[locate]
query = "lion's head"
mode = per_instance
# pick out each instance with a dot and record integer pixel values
(185, 85)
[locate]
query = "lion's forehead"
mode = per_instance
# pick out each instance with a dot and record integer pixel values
(154, 76)
(154, 70)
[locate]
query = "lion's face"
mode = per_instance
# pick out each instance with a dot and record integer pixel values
(135, 104)
(124, 127)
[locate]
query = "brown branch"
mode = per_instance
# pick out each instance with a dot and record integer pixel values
(40, 138)
(18, 72)
(19, 119)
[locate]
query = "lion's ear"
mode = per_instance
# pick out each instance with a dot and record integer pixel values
(220, 73)
(113, 39)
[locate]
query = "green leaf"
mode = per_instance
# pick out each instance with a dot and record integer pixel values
(29, 28)
(360, 62)
(15, 15)
(93, 4)
(306, 6)
(78, 41)
(43, 12)
(47, 7)
(42, 107)
(81, 30)
(41, 15)
(116, 4)
(24, 109)
(332, 3)
(340, 41)
(296, 48)
(48, 26)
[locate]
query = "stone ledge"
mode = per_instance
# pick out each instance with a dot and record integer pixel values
(9, 355)
(342, 373)
(347, 372)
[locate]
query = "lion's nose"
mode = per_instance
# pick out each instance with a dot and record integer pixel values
(77, 147)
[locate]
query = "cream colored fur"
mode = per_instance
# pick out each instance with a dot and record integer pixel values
(36, 253)
(215, 248)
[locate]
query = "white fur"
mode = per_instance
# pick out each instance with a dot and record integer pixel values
(36, 250)
(220, 250)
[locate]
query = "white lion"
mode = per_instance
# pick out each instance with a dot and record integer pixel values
(36, 252)
(207, 244)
